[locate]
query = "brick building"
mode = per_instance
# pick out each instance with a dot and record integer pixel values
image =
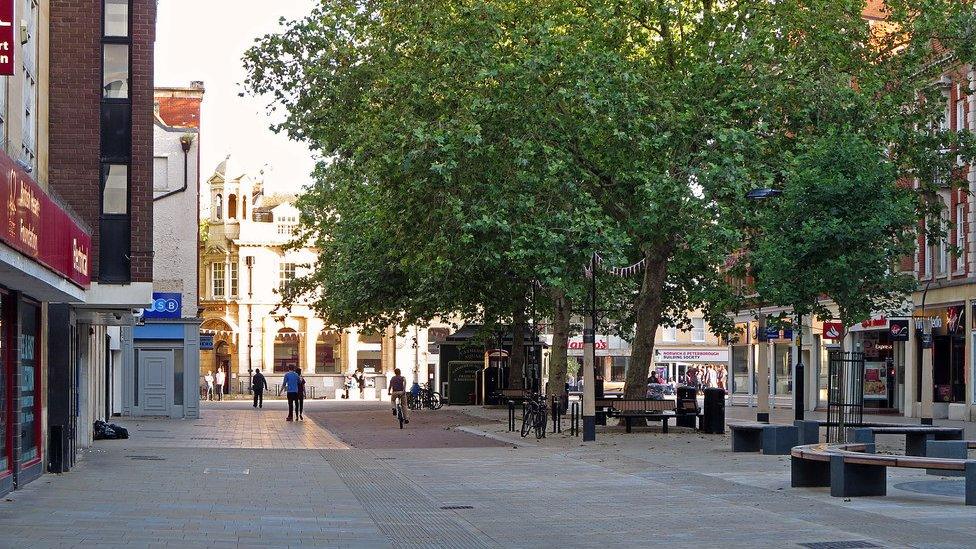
(100, 158)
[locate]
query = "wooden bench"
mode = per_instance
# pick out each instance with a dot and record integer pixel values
(770, 439)
(645, 408)
(852, 470)
(916, 436)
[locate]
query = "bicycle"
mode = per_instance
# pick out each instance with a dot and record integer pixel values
(425, 398)
(399, 413)
(534, 414)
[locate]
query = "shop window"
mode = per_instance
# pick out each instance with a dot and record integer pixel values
(782, 368)
(30, 380)
(116, 18)
(325, 354)
(285, 350)
(115, 189)
(618, 368)
(740, 369)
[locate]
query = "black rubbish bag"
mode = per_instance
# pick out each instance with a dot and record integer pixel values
(109, 431)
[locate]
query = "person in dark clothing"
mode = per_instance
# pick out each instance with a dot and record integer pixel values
(300, 404)
(258, 386)
(361, 380)
(291, 381)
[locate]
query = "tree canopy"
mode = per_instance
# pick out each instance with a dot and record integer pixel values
(470, 148)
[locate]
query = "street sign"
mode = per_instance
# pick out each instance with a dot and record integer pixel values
(7, 37)
(833, 330)
(164, 305)
(206, 342)
(898, 329)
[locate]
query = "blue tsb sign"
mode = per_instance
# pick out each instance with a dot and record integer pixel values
(164, 305)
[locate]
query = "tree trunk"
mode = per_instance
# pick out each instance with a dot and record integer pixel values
(516, 360)
(648, 313)
(558, 355)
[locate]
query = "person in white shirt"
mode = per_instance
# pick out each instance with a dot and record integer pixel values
(209, 378)
(221, 377)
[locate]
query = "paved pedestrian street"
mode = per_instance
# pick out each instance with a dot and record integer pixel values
(347, 477)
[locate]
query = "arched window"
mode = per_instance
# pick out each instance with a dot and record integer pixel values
(325, 354)
(219, 206)
(231, 206)
(286, 350)
(243, 207)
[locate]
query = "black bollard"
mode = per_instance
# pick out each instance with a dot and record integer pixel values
(511, 415)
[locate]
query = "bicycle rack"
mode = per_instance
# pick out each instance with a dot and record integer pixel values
(574, 419)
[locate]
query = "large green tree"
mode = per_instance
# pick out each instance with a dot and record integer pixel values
(471, 147)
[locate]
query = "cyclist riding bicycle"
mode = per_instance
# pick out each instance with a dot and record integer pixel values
(398, 390)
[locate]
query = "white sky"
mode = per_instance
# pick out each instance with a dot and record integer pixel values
(204, 40)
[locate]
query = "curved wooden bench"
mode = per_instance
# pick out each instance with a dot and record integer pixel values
(854, 470)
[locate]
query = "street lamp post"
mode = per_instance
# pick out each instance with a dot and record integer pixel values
(589, 361)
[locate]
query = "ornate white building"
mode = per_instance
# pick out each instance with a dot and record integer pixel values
(243, 262)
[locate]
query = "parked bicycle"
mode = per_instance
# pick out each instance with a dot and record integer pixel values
(425, 398)
(534, 415)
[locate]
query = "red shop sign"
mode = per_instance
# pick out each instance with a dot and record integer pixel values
(7, 37)
(833, 330)
(37, 227)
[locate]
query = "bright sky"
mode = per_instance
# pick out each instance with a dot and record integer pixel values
(204, 40)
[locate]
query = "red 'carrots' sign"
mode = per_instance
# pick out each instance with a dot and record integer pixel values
(33, 224)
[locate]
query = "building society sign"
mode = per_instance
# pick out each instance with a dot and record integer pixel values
(691, 355)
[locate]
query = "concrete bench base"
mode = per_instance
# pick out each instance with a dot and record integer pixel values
(775, 440)
(854, 480)
(778, 440)
(807, 473)
(746, 439)
(954, 449)
(808, 432)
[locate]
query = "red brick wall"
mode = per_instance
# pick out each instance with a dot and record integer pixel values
(75, 97)
(180, 112)
(143, 38)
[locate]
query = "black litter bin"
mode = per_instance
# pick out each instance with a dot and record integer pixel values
(686, 407)
(714, 411)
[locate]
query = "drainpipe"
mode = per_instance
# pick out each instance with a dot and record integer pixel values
(186, 141)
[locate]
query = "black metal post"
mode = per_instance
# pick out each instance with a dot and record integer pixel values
(799, 400)
(511, 415)
(589, 370)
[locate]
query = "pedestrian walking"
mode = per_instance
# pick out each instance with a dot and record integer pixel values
(347, 385)
(300, 404)
(258, 386)
(712, 377)
(291, 381)
(209, 378)
(220, 379)
(361, 379)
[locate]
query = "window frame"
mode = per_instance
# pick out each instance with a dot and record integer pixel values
(283, 268)
(961, 236)
(128, 23)
(233, 279)
(672, 330)
(695, 330)
(222, 278)
(128, 190)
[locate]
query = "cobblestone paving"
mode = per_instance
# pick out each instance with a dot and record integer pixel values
(246, 478)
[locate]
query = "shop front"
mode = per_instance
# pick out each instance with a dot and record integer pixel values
(883, 341)
(43, 259)
(696, 366)
(611, 362)
(948, 348)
